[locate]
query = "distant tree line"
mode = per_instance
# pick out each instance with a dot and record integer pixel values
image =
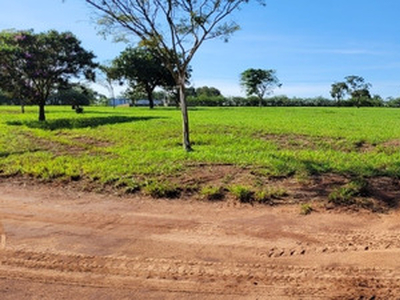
(282, 100)
(202, 96)
(28, 78)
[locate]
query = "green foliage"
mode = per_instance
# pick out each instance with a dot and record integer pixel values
(306, 209)
(242, 193)
(270, 194)
(104, 144)
(74, 95)
(34, 65)
(5, 99)
(259, 82)
(203, 100)
(212, 193)
(357, 88)
(158, 189)
(346, 195)
(339, 91)
(207, 91)
(143, 70)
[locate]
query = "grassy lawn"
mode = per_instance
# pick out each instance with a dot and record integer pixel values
(139, 149)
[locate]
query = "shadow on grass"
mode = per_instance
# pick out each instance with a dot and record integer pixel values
(79, 122)
(5, 154)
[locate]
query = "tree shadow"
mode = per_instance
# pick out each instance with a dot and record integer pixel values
(76, 123)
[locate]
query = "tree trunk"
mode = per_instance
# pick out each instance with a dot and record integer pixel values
(185, 115)
(150, 97)
(42, 116)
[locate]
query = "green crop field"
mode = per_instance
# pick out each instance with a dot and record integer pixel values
(136, 148)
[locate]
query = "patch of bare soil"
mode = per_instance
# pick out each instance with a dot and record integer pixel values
(64, 244)
(381, 193)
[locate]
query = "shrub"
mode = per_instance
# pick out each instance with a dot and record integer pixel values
(212, 193)
(345, 195)
(243, 194)
(306, 209)
(268, 195)
(161, 190)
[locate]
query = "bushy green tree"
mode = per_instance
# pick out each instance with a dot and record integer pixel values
(143, 70)
(393, 102)
(259, 82)
(33, 65)
(208, 91)
(338, 91)
(358, 89)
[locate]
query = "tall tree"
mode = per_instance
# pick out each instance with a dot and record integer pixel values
(143, 70)
(174, 30)
(33, 65)
(259, 82)
(339, 91)
(358, 89)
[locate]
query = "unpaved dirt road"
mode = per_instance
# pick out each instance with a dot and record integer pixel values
(63, 244)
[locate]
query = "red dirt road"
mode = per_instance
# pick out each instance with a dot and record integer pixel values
(63, 244)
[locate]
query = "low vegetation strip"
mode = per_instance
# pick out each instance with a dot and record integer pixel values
(248, 149)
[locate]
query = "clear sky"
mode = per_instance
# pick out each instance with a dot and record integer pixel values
(310, 43)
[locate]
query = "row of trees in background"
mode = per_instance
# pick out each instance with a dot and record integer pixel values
(282, 100)
(37, 68)
(81, 95)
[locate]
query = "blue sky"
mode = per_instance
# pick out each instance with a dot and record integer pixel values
(310, 43)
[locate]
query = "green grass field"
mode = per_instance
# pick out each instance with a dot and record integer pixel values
(136, 147)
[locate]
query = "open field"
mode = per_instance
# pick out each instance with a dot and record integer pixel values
(251, 154)
(274, 203)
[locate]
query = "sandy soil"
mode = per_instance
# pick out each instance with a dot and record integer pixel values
(63, 244)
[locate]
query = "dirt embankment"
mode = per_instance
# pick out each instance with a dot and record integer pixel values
(63, 244)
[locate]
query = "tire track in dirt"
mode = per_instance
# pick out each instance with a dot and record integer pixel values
(197, 276)
(193, 248)
(326, 241)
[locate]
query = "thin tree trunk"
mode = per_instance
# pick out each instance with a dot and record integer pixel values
(22, 106)
(185, 116)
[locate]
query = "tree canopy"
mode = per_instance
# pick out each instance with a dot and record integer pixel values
(33, 65)
(143, 70)
(339, 91)
(208, 91)
(354, 86)
(259, 82)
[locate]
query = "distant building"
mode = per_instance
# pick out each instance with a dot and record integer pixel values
(118, 102)
(145, 102)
